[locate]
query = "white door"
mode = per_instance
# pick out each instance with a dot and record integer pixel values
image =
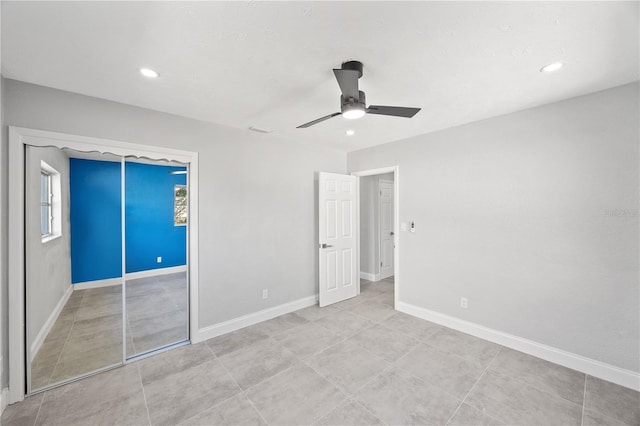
(386, 229)
(337, 236)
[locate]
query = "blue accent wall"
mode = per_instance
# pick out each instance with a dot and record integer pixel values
(150, 231)
(95, 210)
(96, 248)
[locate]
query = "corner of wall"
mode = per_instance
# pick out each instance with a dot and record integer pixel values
(4, 286)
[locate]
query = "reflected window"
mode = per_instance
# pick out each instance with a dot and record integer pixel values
(180, 205)
(50, 205)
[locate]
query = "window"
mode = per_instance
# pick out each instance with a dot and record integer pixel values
(180, 204)
(50, 203)
(46, 215)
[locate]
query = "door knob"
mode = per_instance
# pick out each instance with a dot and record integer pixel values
(392, 233)
(323, 245)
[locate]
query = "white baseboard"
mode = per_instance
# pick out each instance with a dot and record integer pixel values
(131, 276)
(46, 328)
(251, 319)
(601, 370)
(4, 393)
(156, 272)
(370, 277)
(4, 399)
(97, 284)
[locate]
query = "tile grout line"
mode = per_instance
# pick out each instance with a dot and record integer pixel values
(584, 399)
(300, 361)
(238, 385)
(369, 411)
(473, 387)
(144, 395)
(35, 421)
(341, 339)
(374, 378)
(214, 405)
(304, 363)
(546, 392)
(133, 343)
(66, 340)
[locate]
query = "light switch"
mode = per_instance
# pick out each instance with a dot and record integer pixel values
(413, 227)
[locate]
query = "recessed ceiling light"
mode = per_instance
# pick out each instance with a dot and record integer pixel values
(350, 132)
(148, 72)
(552, 67)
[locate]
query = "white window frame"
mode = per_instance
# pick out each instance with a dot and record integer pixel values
(54, 203)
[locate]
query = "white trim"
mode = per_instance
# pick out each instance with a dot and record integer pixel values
(370, 277)
(130, 276)
(123, 254)
(4, 398)
(592, 367)
(254, 318)
(16, 267)
(18, 138)
(156, 272)
(50, 237)
(46, 328)
(108, 282)
(396, 222)
(379, 198)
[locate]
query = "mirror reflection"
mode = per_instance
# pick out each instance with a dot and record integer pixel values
(75, 286)
(156, 247)
(74, 294)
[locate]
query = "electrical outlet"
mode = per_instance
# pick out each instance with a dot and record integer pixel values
(265, 293)
(159, 259)
(464, 303)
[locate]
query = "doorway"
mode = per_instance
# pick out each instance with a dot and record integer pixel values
(378, 240)
(341, 238)
(135, 303)
(376, 227)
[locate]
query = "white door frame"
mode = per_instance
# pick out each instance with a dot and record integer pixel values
(20, 137)
(396, 222)
(379, 224)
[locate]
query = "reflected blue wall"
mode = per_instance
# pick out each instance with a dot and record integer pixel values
(95, 204)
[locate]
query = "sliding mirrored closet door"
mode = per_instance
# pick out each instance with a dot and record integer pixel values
(156, 254)
(73, 264)
(106, 261)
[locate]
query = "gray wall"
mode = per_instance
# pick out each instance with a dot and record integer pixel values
(48, 265)
(257, 194)
(368, 215)
(369, 226)
(533, 217)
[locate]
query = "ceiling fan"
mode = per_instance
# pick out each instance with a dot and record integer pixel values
(352, 100)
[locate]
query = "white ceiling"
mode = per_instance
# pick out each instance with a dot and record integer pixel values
(268, 65)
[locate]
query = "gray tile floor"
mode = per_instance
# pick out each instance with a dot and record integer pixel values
(355, 363)
(87, 335)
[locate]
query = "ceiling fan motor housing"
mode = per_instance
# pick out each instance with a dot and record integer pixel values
(349, 104)
(354, 66)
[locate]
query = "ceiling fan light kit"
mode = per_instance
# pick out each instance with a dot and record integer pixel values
(351, 108)
(353, 101)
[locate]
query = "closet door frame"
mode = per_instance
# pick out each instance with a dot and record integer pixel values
(19, 138)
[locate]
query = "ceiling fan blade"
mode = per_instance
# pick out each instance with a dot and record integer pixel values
(348, 82)
(392, 110)
(318, 120)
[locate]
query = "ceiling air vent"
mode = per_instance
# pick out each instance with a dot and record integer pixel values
(255, 129)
